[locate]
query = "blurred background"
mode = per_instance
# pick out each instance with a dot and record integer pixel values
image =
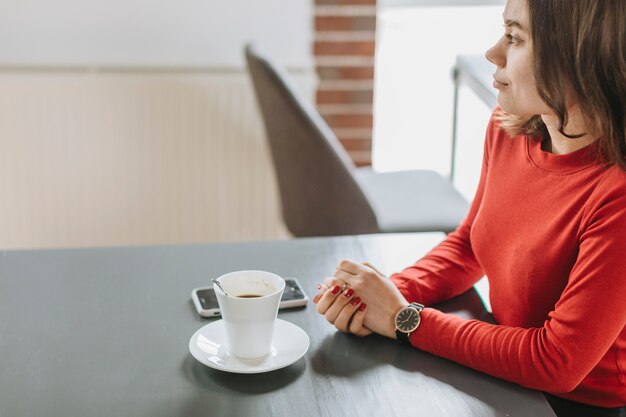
(134, 122)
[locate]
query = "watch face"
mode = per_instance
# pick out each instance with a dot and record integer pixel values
(407, 320)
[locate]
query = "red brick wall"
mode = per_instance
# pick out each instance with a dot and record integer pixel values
(344, 55)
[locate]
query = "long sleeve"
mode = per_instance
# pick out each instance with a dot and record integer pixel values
(451, 268)
(586, 321)
(549, 232)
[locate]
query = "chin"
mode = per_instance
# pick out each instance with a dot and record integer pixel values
(514, 110)
(523, 107)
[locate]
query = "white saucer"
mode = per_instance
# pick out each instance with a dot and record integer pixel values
(289, 344)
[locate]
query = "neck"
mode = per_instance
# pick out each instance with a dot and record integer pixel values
(560, 144)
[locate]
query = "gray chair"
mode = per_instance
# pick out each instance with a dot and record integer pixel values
(322, 192)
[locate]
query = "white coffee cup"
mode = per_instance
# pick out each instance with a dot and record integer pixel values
(249, 321)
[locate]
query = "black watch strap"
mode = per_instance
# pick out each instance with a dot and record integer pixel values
(405, 337)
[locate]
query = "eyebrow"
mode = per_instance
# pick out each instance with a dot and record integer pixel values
(513, 23)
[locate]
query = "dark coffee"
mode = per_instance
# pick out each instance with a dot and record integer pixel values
(249, 296)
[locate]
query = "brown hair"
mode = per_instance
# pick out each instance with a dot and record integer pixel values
(580, 46)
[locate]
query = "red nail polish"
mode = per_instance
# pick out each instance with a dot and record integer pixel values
(319, 286)
(348, 293)
(356, 301)
(363, 307)
(335, 290)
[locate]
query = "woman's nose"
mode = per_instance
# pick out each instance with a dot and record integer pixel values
(495, 56)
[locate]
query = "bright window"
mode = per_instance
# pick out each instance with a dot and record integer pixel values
(416, 50)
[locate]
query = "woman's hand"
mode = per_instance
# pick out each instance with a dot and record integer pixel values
(383, 299)
(343, 309)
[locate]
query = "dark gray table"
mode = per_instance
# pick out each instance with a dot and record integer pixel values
(104, 332)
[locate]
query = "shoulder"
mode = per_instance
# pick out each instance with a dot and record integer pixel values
(498, 137)
(495, 131)
(608, 199)
(613, 181)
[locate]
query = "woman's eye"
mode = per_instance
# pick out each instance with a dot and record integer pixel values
(513, 40)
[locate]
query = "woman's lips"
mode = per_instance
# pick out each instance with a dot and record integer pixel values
(498, 84)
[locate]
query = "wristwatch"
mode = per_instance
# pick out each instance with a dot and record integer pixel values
(407, 321)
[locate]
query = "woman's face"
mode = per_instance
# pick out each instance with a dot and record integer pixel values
(512, 55)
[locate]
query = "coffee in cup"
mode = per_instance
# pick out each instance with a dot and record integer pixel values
(249, 309)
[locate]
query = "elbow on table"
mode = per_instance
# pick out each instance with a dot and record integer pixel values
(558, 377)
(560, 385)
(558, 368)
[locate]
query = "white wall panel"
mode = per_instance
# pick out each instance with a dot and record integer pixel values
(156, 33)
(133, 158)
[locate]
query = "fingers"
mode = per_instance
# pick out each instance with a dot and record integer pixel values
(340, 301)
(356, 325)
(337, 300)
(345, 276)
(374, 268)
(342, 309)
(332, 281)
(322, 288)
(342, 322)
(355, 273)
(349, 266)
(328, 298)
(328, 283)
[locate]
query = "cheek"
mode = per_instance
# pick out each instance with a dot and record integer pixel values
(527, 92)
(524, 86)
(521, 71)
(526, 89)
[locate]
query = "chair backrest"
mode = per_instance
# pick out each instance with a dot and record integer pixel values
(319, 193)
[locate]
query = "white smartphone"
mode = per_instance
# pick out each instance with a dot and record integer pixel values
(205, 301)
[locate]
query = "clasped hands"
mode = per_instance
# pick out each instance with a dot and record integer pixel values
(359, 299)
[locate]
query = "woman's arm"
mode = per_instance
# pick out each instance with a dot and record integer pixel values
(587, 319)
(450, 268)
(585, 322)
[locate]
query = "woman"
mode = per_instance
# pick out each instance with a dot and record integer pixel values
(547, 225)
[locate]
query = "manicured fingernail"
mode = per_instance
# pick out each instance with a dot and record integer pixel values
(335, 290)
(348, 293)
(356, 301)
(363, 307)
(319, 286)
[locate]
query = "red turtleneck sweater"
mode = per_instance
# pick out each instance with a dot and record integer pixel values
(549, 231)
